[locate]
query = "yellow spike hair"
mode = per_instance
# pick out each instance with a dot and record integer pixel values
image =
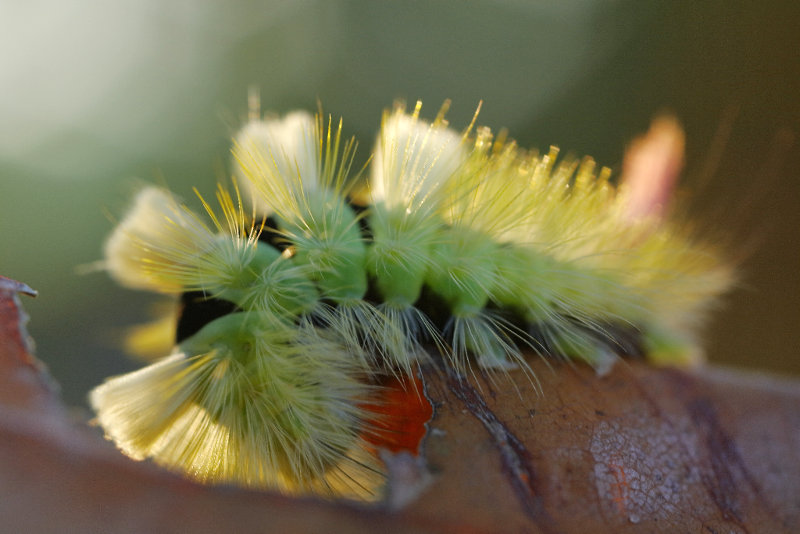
(163, 246)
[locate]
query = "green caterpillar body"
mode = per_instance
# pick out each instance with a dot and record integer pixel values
(467, 244)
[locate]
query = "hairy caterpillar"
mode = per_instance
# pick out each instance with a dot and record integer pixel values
(297, 310)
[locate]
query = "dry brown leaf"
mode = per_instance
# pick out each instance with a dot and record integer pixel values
(641, 449)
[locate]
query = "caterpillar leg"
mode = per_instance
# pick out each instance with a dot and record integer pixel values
(487, 338)
(668, 346)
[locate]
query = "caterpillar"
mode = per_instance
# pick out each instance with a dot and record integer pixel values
(304, 290)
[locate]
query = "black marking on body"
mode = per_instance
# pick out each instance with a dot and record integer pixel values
(272, 236)
(363, 222)
(197, 310)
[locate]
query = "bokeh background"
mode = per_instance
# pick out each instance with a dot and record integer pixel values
(96, 97)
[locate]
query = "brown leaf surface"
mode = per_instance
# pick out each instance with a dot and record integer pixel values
(639, 450)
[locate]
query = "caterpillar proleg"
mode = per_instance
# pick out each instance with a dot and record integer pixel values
(300, 305)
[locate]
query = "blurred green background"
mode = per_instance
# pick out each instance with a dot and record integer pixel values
(97, 96)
